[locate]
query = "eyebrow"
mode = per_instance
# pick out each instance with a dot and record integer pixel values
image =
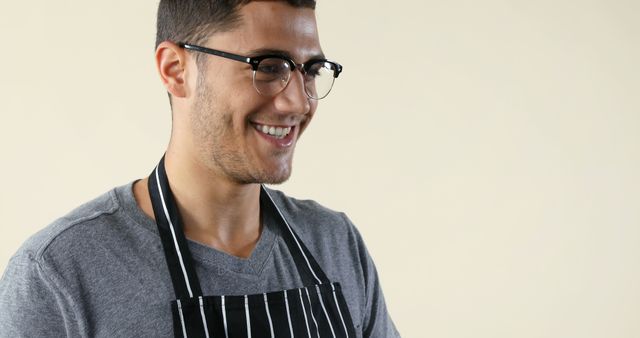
(265, 51)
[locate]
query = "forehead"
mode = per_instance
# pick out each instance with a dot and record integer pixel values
(272, 25)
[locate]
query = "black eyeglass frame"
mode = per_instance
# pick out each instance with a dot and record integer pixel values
(255, 61)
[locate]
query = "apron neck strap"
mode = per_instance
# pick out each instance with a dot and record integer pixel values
(309, 270)
(169, 223)
(178, 257)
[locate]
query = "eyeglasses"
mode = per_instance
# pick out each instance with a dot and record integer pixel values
(272, 72)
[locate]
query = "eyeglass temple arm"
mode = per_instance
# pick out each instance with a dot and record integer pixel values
(217, 52)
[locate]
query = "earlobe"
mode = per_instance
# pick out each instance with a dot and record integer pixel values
(171, 65)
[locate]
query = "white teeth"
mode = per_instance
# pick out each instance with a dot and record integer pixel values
(278, 132)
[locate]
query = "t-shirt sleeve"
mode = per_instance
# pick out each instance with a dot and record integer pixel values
(376, 321)
(30, 305)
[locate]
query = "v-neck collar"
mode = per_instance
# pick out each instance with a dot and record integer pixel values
(208, 257)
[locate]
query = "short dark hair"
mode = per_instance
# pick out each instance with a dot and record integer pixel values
(193, 21)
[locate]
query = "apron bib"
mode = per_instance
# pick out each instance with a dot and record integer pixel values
(317, 310)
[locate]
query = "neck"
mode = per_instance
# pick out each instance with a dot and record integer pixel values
(215, 211)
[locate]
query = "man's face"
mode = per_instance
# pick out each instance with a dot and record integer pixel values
(227, 112)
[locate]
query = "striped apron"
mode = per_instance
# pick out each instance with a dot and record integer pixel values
(317, 310)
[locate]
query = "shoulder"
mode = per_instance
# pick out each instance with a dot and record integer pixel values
(77, 226)
(78, 267)
(76, 251)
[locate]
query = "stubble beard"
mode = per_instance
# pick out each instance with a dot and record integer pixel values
(212, 126)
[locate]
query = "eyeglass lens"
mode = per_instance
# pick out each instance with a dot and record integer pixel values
(272, 76)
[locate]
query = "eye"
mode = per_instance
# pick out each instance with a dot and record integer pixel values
(273, 67)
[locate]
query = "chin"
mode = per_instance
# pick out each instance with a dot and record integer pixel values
(273, 172)
(262, 179)
(276, 181)
(276, 176)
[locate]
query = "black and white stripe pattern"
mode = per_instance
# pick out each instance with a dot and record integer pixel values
(204, 318)
(312, 316)
(335, 299)
(304, 312)
(184, 328)
(266, 309)
(173, 234)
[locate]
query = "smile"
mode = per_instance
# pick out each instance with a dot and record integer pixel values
(275, 131)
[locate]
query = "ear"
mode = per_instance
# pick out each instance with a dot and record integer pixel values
(171, 62)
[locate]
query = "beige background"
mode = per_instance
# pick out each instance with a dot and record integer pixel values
(487, 150)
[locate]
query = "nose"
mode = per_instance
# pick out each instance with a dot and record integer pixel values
(293, 99)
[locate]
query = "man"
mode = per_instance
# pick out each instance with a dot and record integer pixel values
(200, 248)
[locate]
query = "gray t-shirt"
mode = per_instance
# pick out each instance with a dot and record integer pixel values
(100, 271)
